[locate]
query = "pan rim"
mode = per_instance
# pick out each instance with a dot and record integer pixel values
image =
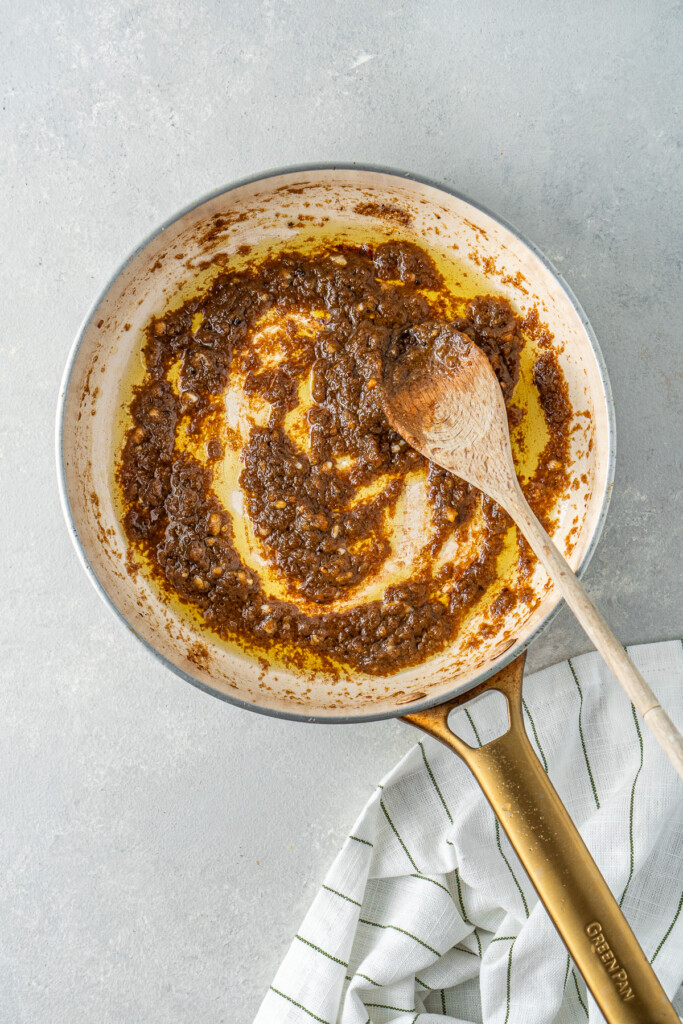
(99, 586)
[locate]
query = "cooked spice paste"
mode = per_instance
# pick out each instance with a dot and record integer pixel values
(319, 499)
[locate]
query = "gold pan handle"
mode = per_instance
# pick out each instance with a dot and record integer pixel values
(556, 859)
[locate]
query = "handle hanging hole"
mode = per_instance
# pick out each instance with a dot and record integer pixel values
(481, 720)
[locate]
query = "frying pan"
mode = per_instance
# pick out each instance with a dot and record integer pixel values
(274, 210)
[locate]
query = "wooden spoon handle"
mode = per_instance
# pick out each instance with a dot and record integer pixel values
(639, 692)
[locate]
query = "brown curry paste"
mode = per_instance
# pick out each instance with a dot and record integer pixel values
(318, 510)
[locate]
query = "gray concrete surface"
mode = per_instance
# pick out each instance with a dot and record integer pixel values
(158, 848)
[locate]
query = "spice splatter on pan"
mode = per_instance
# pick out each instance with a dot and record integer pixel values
(333, 537)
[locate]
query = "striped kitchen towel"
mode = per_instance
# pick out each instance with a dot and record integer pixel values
(426, 914)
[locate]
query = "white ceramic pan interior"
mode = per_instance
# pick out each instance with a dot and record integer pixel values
(277, 208)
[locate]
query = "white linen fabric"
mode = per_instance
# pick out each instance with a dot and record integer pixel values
(426, 914)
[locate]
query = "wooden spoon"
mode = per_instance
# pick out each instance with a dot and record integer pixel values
(445, 400)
